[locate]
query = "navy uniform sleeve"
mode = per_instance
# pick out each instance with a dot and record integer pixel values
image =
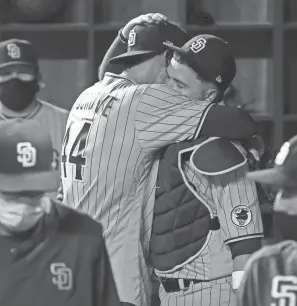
(230, 122)
(105, 288)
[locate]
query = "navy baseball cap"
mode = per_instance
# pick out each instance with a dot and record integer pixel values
(26, 157)
(147, 40)
(209, 56)
(16, 52)
(284, 172)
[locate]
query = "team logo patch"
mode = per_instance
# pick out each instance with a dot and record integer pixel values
(198, 45)
(13, 51)
(132, 38)
(26, 154)
(62, 276)
(284, 290)
(219, 79)
(241, 215)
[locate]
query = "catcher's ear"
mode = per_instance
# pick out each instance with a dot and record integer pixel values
(211, 95)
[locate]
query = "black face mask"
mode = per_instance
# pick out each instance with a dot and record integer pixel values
(284, 226)
(17, 95)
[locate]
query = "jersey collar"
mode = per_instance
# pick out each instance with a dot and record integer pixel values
(120, 76)
(34, 108)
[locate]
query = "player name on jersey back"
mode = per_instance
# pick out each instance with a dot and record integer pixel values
(112, 129)
(94, 99)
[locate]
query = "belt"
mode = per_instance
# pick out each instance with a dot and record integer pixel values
(177, 284)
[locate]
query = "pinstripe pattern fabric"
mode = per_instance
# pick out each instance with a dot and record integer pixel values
(220, 194)
(125, 123)
(214, 293)
(54, 119)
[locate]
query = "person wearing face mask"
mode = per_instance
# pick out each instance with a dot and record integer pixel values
(49, 254)
(271, 274)
(20, 81)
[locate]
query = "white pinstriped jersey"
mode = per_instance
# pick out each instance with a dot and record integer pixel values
(54, 119)
(112, 131)
(223, 194)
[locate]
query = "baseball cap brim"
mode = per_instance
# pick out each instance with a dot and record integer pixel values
(273, 176)
(174, 48)
(16, 63)
(126, 57)
(38, 181)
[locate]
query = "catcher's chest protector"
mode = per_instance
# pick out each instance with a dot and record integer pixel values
(181, 222)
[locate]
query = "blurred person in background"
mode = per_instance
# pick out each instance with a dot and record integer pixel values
(20, 81)
(271, 274)
(49, 254)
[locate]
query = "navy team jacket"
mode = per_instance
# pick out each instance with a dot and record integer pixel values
(63, 262)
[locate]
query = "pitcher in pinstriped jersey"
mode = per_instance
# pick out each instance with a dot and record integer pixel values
(20, 80)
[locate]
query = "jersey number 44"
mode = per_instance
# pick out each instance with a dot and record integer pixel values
(77, 145)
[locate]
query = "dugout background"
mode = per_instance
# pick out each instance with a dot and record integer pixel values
(262, 32)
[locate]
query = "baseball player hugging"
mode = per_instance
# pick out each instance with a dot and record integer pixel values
(206, 222)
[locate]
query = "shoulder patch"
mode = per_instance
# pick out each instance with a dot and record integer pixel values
(241, 215)
(217, 156)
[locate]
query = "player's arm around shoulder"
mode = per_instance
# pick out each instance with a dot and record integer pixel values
(120, 44)
(164, 116)
(226, 121)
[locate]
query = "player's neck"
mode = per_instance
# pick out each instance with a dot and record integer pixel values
(5, 111)
(128, 74)
(136, 74)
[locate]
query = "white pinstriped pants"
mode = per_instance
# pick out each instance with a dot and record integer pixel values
(214, 293)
